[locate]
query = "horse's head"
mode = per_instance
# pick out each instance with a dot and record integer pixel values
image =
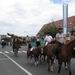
(71, 42)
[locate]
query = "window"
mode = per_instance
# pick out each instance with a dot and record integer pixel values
(70, 23)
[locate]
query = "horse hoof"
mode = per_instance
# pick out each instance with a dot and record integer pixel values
(54, 62)
(44, 63)
(15, 55)
(66, 68)
(51, 70)
(48, 69)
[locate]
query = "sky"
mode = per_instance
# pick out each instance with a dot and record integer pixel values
(26, 17)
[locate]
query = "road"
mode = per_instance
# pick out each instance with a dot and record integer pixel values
(11, 65)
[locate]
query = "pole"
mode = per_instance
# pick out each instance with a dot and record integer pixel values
(65, 18)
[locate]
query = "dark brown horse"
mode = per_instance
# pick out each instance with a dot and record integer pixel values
(64, 56)
(16, 46)
(35, 53)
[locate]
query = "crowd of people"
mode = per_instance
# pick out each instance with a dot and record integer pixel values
(59, 39)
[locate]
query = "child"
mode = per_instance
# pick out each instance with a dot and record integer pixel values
(42, 43)
(33, 46)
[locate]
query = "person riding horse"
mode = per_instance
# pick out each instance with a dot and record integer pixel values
(71, 38)
(60, 40)
(32, 46)
(48, 38)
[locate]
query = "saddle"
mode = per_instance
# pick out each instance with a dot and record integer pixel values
(57, 49)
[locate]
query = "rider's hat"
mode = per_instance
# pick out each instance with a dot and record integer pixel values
(47, 33)
(60, 28)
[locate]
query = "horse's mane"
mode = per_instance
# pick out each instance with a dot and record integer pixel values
(70, 42)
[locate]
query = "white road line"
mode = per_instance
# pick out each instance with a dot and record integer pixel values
(11, 51)
(6, 52)
(18, 65)
(19, 52)
(0, 52)
(3, 58)
(24, 51)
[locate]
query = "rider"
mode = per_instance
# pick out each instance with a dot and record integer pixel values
(71, 38)
(48, 38)
(42, 42)
(33, 46)
(60, 40)
(38, 41)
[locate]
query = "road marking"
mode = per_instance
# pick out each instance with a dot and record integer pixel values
(18, 65)
(3, 58)
(11, 51)
(24, 51)
(6, 52)
(19, 52)
(0, 52)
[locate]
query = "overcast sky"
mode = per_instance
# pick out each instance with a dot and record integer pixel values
(26, 17)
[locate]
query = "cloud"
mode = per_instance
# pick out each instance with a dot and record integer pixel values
(26, 17)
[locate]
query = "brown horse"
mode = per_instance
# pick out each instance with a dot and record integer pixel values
(64, 56)
(16, 46)
(35, 53)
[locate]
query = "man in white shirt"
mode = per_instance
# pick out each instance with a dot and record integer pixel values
(48, 38)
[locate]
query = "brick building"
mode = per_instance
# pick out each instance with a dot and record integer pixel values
(59, 23)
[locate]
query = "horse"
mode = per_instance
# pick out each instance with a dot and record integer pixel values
(16, 46)
(64, 56)
(35, 53)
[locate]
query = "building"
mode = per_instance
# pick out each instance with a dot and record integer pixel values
(59, 23)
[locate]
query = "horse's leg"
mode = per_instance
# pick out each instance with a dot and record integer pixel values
(43, 59)
(28, 54)
(16, 52)
(2, 46)
(65, 65)
(69, 68)
(40, 57)
(52, 61)
(35, 61)
(59, 68)
(48, 63)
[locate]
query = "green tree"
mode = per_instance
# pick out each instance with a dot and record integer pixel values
(6, 39)
(50, 28)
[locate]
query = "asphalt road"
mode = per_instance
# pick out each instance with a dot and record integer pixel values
(11, 65)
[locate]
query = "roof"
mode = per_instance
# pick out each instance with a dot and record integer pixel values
(71, 23)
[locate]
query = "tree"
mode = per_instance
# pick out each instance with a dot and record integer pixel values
(50, 28)
(6, 39)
